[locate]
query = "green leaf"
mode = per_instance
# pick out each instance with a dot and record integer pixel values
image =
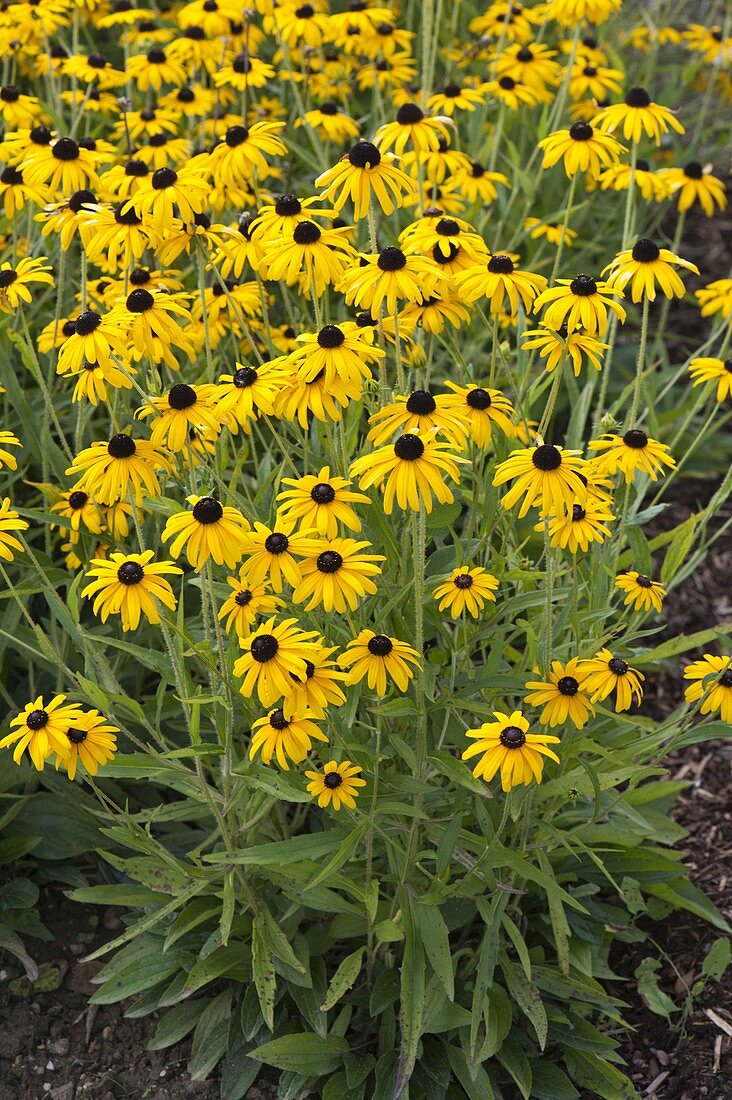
(683, 895)
(343, 979)
(516, 1064)
(682, 643)
(11, 941)
(175, 1025)
(717, 959)
(233, 960)
(15, 847)
(345, 850)
(549, 1082)
(281, 853)
(305, 1053)
(646, 975)
(599, 1076)
(412, 995)
(679, 548)
(227, 908)
(527, 996)
(211, 1036)
(136, 897)
(265, 979)
(436, 943)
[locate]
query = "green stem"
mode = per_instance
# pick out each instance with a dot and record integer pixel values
(640, 365)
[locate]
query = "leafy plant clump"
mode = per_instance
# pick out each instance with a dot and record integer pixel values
(351, 355)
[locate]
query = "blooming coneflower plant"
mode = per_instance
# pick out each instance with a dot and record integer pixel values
(356, 362)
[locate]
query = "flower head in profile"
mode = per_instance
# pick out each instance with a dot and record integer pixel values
(15, 281)
(175, 413)
(111, 471)
(630, 452)
(41, 729)
(562, 696)
(502, 283)
(554, 344)
(507, 746)
(391, 276)
(92, 742)
(209, 530)
(638, 115)
(284, 738)
(604, 674)
(480, 409)
(412, 129)
(695, 183)
(712, 685)
(641, 593)
(582, 148)
(130, 585)
(644, 266)
(363, 174)
(703, 370)
(466, 589)
(573, 528)
(715, 297)
(337, 785)
(582, 302)
(319, 688)
(378, 658)
(411, 472)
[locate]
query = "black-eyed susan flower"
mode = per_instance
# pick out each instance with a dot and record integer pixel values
(468, 588)
(10, 521)
(554, 344)
(480, 410)
(574, 527)
(582, 148)
(130, 585)
(342, 351)
(388, 277)
(287, 211)
(15, 192)
(507, 745)
(16, 280)
(546, 476)
(512, 94)
(94, 339)
(272, 655)
(92, 742)
(642, 593)
(320, 256)
(319, 502)
(410, 471)
(478, 184)
(240, 397)
(319, 688)
(153, 69)
(715, 297)
(338, 576)
(149, 319)
(645, 265)
(653, 186)
(245, 603)
(638, 115)
(337, 785)
(284, 738)
(454, 97)
(182, 408)
(114, 238)
(562, 696)
(713, 676)
(273, 552)
(630, 452)
(330, 123)
(63, 165)
(500, 281)
(412, 129)
(41, 729)
(708, 369)
(109, 471)
(243, 151)
(209, 530)
(579, 302)
(604, 674)
(296, 399)
(420, 412)
(79, 508)
(166, 191)
(695, 183)
(379, 658)
(589, 80)
(434, 312)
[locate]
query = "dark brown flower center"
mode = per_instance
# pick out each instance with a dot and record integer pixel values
(36, 720)
(121, 446)
(645, 251)
(635, 439)
(276, 543)
(583, 286)
(512, 737)
(332, 780)
(207, 510)
(130, 572)
(409, 448)
(567, 685)
(380, 645)
(264, 648)
(330, 561)
(618, 666)
(546, 457)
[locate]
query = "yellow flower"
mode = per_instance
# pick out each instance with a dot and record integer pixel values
(41, 729)
(717, 693)
(467, 589)
(499, 280)
(603, 674)
(641, 592)
(695, 183)
(581, 149)
(246, 601)
(365, 172)
(92, 742)
(320, 502)
(562, 696)
(338, 576)
(546, 476)
(506, 744)
(713, 370)
(412, 471)
(644, 265)
(272, 656)
(379, 658)
(209, 530)
(630, 452)
(638, 115)
(130, 585)
(579, 302)
(336, 785)
(286, 738)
